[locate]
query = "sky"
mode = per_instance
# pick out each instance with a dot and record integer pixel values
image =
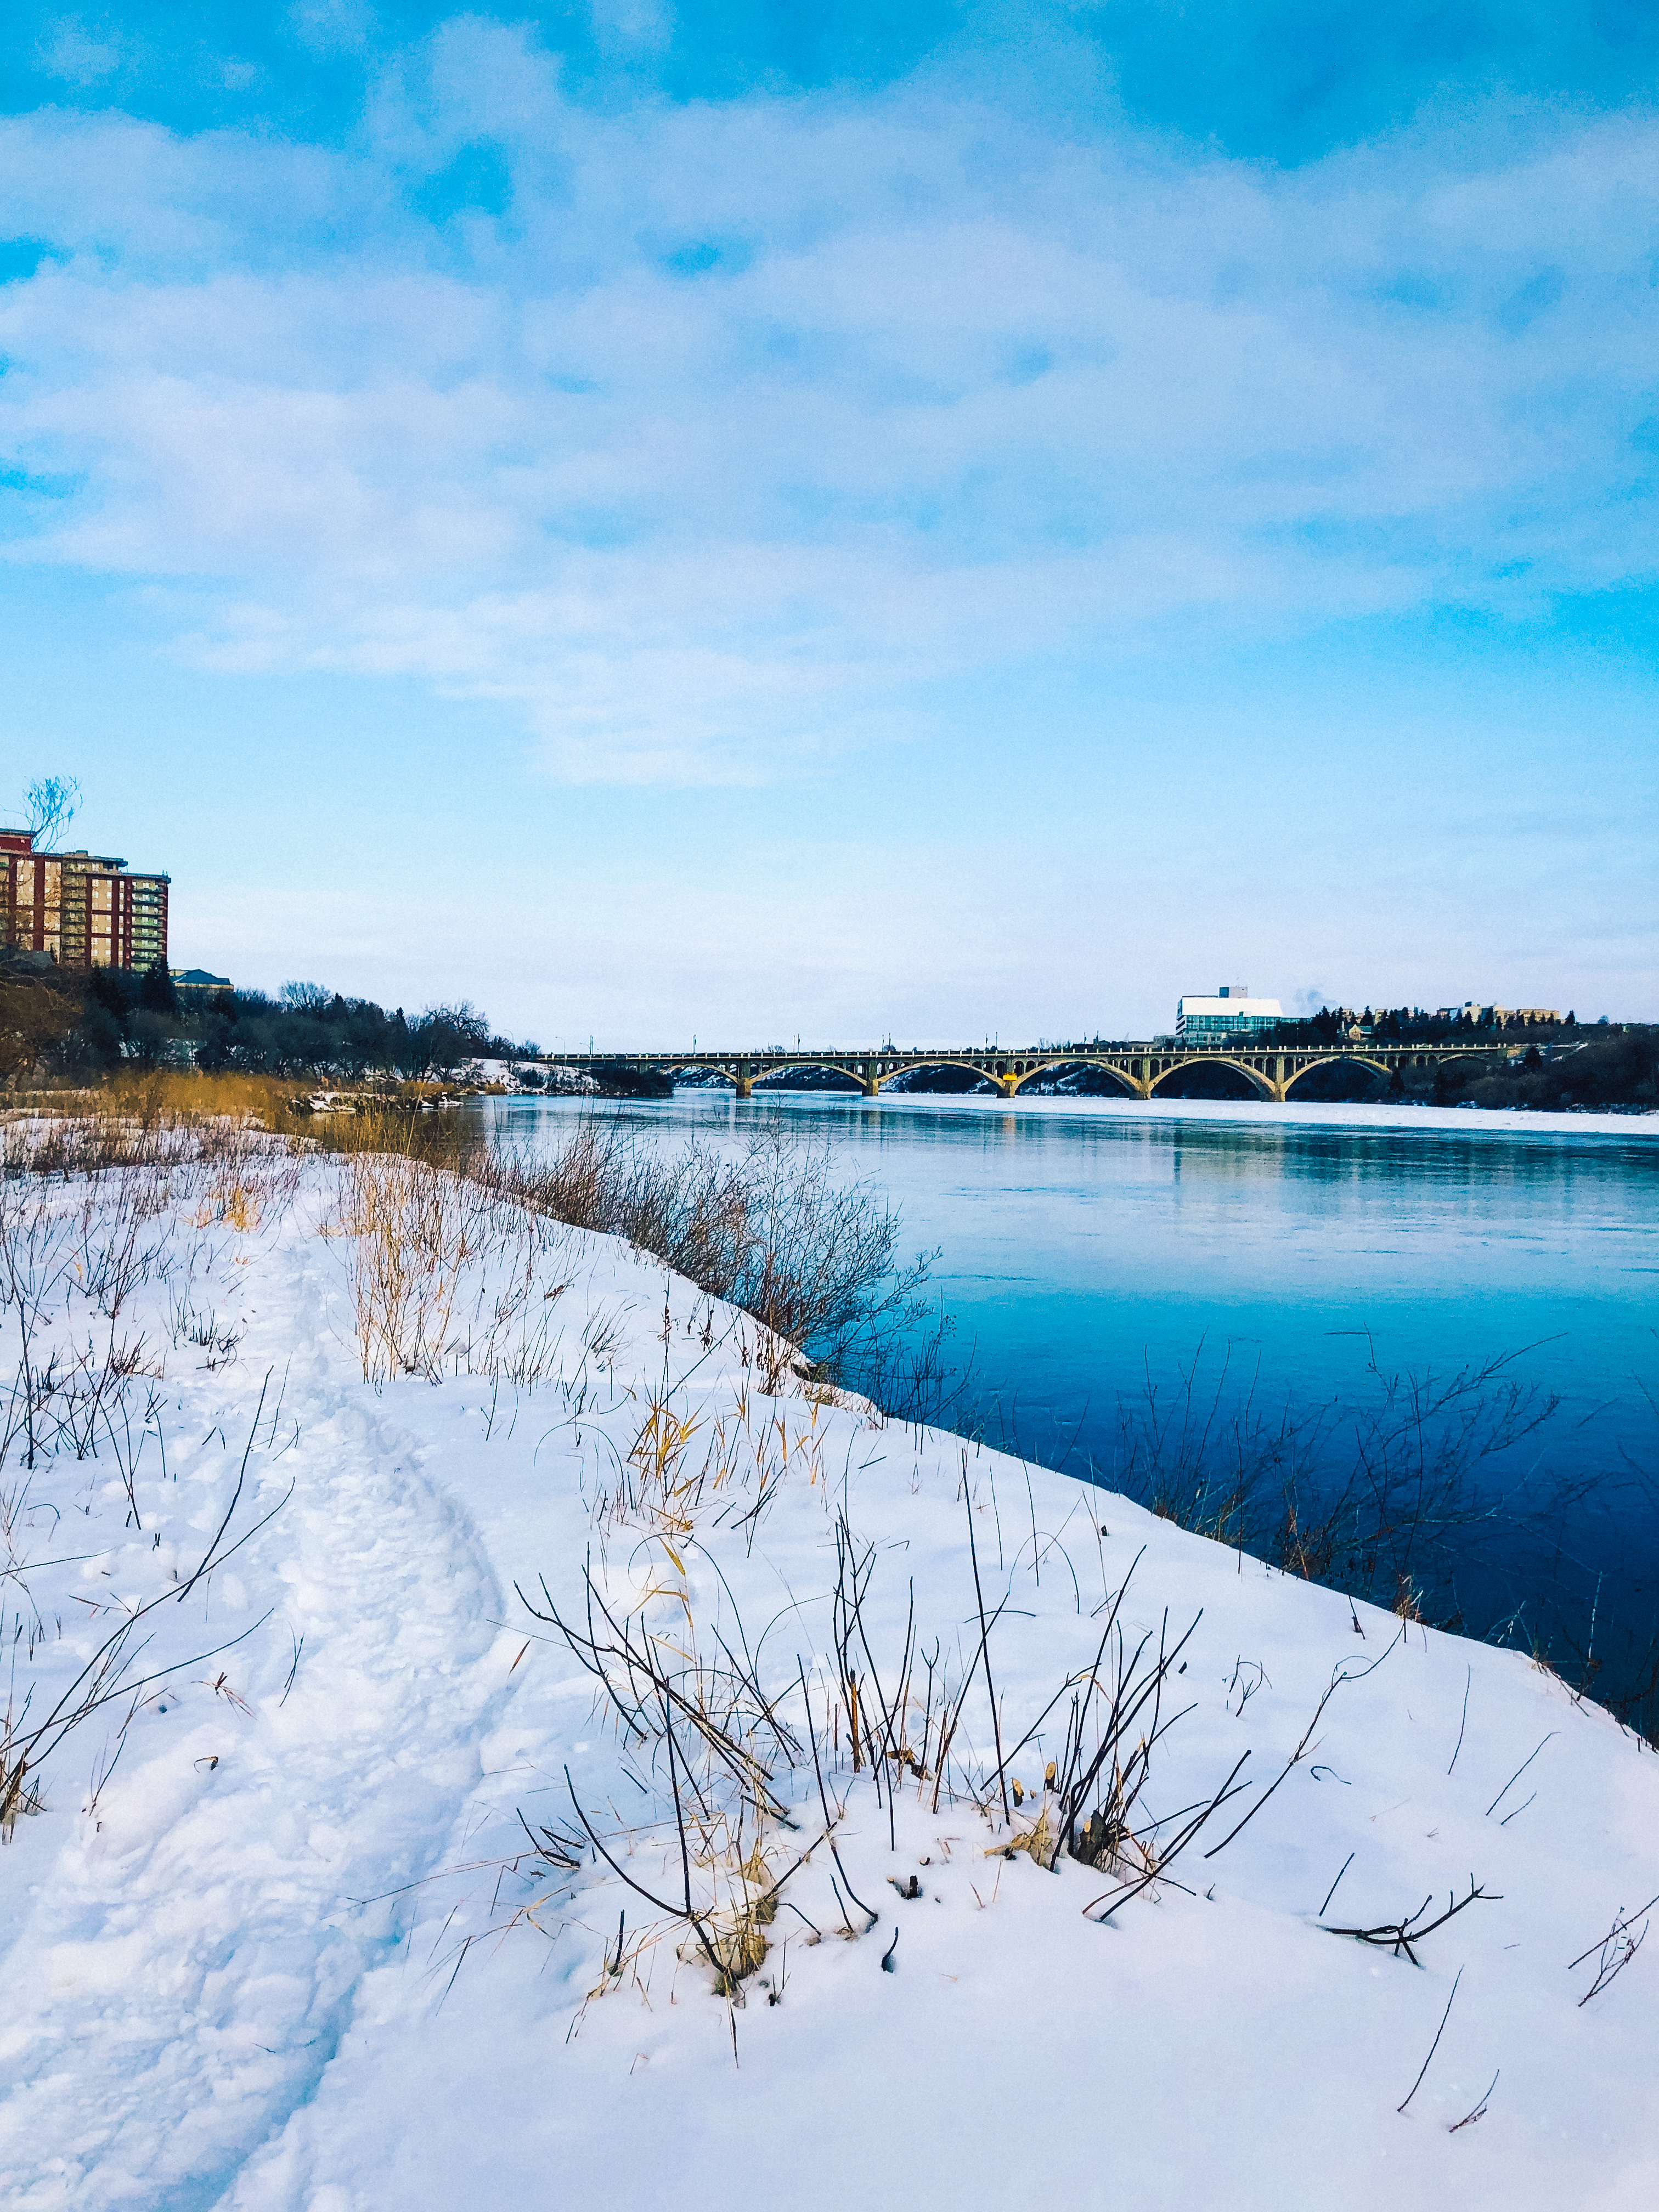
(750, 522)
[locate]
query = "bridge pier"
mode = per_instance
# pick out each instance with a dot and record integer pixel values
(745, 1079)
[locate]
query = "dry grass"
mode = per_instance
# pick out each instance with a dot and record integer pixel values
(393, 1118)
(161, 1098)
(414, 1235)
(777, 1231)
(444, 1272)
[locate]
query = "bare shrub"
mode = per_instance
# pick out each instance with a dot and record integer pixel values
(36, 1015)
(715, 1744)
(1382, 1498)
(36, 1243)
(776, 1231)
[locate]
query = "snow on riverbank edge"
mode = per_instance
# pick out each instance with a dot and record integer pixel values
(284, 1960)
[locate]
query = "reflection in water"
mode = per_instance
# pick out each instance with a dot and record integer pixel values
(1089, 1248)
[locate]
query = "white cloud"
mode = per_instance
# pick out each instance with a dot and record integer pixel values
(646, 26)
(68, 51)
(747, 421)
(325, 28)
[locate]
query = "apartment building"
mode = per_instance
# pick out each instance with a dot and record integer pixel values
(81, 910)
(1229, 1011)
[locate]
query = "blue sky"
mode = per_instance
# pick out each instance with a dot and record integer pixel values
(667, 522)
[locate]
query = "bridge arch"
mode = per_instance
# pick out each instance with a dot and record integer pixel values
(1124, 1082)
(696, 1064)
(941, 1060)
(1260, 1084)
(776, 1077)
(1337, 1060)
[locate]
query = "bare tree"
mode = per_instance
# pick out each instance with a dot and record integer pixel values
(50, 801)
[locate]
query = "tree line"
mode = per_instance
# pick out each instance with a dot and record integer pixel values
(1400, 1025)
(1618, 1065)
(64, 1025)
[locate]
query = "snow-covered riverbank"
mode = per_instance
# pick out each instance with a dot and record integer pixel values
(337, 1929)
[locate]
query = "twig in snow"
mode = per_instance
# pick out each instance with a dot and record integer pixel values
(688, 1910)
(1343, 1673)
(1468, 1678)
(1478, 2112)
(102, 1679)
(1516, 1776)
(1172, 1850)
(1617, 1948)
(1434, 2046)
(1400, 1936)
(1332, 1891)
(811, 1734)
(235, 1494)
(985, 1644)
(106, 1764)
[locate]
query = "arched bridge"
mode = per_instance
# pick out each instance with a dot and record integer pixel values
(1141, 1069)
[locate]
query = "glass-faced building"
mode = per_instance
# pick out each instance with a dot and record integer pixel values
(81, 910)
(1231, 1012)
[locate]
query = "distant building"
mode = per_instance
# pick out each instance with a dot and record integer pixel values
(197, 979)
(80, 910)
(1231, 1012)
(1499, 1018)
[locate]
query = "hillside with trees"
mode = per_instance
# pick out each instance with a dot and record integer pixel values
(59, 1026)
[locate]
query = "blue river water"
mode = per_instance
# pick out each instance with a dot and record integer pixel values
(1089, 1248)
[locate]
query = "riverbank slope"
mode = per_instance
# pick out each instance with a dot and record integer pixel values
(507, 1597)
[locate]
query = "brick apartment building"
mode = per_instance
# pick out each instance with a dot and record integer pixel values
(82, 909)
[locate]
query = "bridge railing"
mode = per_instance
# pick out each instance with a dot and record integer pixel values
(1098, 1049)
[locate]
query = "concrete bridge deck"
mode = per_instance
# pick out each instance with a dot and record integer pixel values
(1140, 1068)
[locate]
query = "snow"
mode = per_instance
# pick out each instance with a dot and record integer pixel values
(295, 1951)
